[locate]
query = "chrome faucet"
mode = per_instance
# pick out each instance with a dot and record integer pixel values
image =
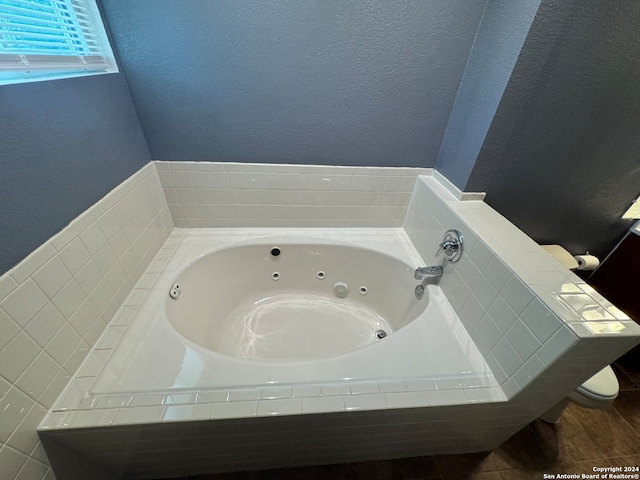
(427, 272)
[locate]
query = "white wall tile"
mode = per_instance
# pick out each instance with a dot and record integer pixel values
(311, 405)
(7, 285)
(175, 413)
(85, 418)
(14, 407)
(243, 395)
(502, 315)
(24, 302)
(471, 313)
(11, 461)
(485, 293)
(557, 345)
(421, 385)
(540, 320)
(446, 397)
(497, 273)
(52, 277)
(25, 437)
(330, 390)
(69, 298)
(406, 400)
(242, 409)
(63, 343)
(105, 259)
(507, 357)
(93, 238)
(280, 406)
(389, 387)
(488, 332)
(32, 263)
(448, 383)
(522, 340)
(37, 376)
(88, 277)
(101, 296)
(9, 329)
(517, 295)
(529, 371)
(181, 179)
(32, 469)
(365, 388)
(83, 318)
(17, 356)
(301, 391)
(481, 255)
(135, 415)
(365, 402)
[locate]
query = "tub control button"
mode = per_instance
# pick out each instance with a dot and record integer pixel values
(340, 289)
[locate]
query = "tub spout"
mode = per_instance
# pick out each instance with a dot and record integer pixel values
(427, 272)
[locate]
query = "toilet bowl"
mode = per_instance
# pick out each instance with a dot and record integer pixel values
(597, 392)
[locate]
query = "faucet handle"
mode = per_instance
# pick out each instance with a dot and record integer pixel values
(451, 245)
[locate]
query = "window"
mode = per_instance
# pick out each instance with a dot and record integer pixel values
(49, 39)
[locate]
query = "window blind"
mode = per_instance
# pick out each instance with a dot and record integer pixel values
(50, 37)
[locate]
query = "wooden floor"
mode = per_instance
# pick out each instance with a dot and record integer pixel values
(583, 439)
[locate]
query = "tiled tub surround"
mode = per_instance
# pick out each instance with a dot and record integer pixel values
(56, 303)
(525, 312)
(542, 331)
(210, 194)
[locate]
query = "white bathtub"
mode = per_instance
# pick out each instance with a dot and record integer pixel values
(247, 318)
(161, 395)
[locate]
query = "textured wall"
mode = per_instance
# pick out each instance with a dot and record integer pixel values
(502, 32)
(65, 144)
(321, 82)
(561, 157)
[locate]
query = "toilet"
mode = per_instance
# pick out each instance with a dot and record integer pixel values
(597, 392)
(601, 389)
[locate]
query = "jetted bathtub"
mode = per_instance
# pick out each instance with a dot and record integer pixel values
(229, 312)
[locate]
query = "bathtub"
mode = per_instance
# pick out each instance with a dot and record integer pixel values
(275, 310)
(195, 384)
(227, 356)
